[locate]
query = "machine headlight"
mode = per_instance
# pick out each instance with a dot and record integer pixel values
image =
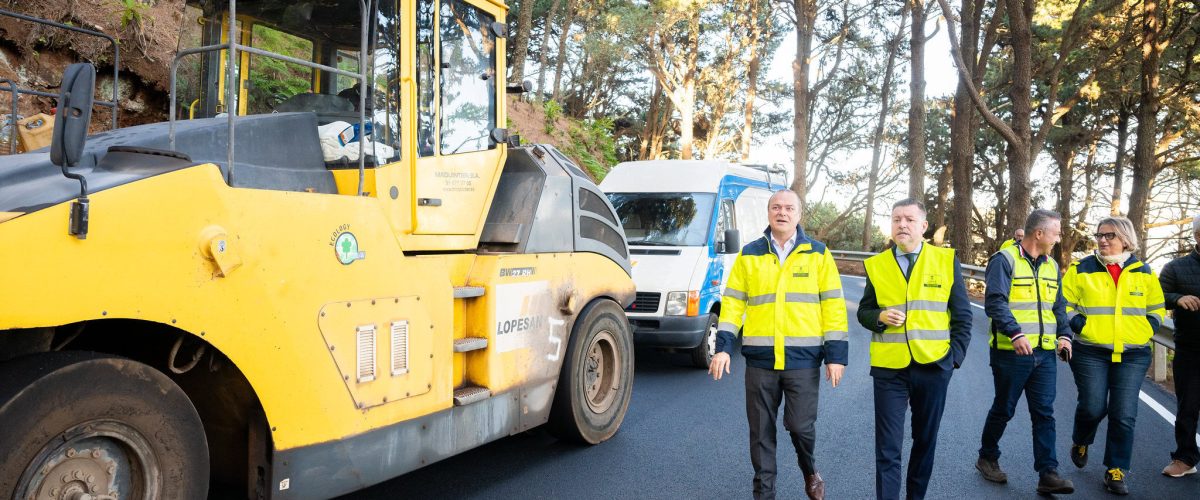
(676, 303)
(683, 303)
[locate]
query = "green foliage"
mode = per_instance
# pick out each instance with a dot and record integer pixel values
(592, 145)
(132, 12)
(553, 110)
(845, 234)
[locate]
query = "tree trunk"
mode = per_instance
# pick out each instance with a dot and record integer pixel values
(1066, 183)
(1145, 165)
(916, 100)
(1019, 155)
(806, 13)
(521, 40)
(650, 129)
(562, 48)
(751, 92)
(885, 95)
(687, 119)
(545, 48)
(756, 29)
(1119, 165)
(962, 138)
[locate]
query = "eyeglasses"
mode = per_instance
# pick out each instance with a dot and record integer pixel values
(1105, 236)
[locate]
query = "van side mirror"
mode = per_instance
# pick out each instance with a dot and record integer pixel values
(74, 114)
(732, 243)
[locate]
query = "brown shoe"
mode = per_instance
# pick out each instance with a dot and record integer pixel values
(1178, 469)
(814, 486)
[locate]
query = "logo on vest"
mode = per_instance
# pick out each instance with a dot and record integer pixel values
(932, 281)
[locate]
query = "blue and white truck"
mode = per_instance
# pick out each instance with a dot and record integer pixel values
(686, 221)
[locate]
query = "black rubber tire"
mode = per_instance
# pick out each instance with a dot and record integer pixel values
(702, 354)
(601, 326)
(49, 400)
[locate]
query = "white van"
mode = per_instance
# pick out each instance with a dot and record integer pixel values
(686, 221)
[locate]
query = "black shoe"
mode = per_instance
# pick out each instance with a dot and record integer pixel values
(1051, 483)
(1114, 482)
(991, 470)
(1079, 455)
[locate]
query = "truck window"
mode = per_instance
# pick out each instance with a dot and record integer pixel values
(665, 219)
(426, 78)
(468, 78)
(725, 218)
(271, 81)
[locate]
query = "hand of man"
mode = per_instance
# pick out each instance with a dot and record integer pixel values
(891, 317)
(1190, 302)
(1022, 347)
(833, 373)
(1065, 344)
(719, 365)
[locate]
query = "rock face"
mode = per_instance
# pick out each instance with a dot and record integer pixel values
(34, 55)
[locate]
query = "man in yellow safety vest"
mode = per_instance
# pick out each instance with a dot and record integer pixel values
(916, 306)
(1025, 302)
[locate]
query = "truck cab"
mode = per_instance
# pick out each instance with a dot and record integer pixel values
(686, 221)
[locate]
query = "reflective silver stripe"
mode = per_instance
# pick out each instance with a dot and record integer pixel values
(806, 298)
(929, 334)
(1022, 306)
(765, 341)
(1082, 340)
(803, 341)
(735, 294)
(1133, 311)
(889, 338)
(726, 326)
(759, 300)
(831, 294)
(837, 335)
(927, 305)
(1153, 307)
(1072, 314)
(1100, 310)
(1110, 346)
(1030, 327)
(1072, 305)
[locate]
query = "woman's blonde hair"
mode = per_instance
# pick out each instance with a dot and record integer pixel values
(1124, 229)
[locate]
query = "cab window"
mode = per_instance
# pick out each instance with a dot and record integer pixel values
(468, 78)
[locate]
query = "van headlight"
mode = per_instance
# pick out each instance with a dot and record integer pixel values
(683, 303)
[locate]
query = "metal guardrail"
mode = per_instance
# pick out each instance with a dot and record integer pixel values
(1165, 336)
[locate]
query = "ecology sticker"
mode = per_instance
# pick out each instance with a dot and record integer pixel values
(345, 246)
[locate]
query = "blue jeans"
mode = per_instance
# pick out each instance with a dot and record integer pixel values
(1108, 389)
(1035, 375)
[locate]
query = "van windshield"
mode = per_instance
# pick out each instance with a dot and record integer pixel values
(665, 219)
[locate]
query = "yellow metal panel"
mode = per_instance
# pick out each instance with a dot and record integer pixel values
(461, 186)
(342, 322)
(347, 181)
(143, 260)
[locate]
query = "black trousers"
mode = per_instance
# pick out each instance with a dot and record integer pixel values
(765, 390)
(1187, 390)
(923, 389)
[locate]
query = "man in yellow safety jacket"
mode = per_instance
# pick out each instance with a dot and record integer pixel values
(916, 306)
(1029, 323)
(787, 288)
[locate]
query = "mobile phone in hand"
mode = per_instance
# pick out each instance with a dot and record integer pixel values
(1064, 354)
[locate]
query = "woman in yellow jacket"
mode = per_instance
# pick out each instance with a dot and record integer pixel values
(1114, 303)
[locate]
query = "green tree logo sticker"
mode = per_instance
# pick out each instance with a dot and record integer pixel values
(346, 249)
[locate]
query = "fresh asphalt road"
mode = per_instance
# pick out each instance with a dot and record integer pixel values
(685, 436)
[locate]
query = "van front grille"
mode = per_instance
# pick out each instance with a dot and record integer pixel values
(645, 302)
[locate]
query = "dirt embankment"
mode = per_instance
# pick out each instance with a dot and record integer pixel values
(34, 55)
